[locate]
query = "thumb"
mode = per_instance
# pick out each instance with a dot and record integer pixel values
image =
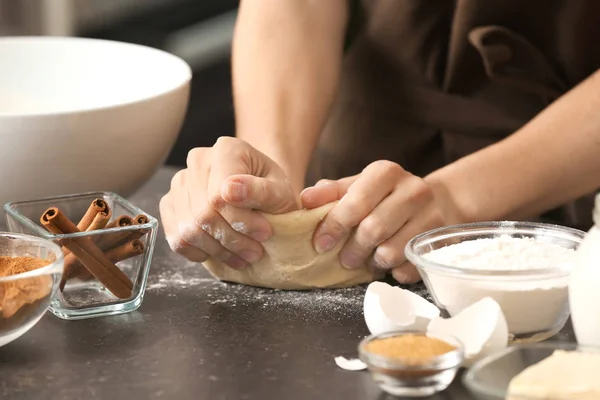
(325, 191)
(263, 194)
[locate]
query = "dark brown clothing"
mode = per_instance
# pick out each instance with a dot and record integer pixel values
(426, 82)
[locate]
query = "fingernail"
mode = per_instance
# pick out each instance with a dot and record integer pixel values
(380, 256)
(238, 191)
(250, 256)
(306, 190)
(350, 261)
(324, 243)
(236, 262)
(323, 182)
(260, 236)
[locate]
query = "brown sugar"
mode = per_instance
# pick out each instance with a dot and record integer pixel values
(410, 349)
(14, 294)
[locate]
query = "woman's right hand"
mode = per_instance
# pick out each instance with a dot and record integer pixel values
(211, 207)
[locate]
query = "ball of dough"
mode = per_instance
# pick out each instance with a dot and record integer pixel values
(290, 261)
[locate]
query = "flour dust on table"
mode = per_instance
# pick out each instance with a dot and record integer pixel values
(172, 273)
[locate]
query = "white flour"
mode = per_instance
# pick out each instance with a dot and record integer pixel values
(504, 252)
(531, 307)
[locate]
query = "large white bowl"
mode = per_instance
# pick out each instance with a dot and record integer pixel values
(79, 115)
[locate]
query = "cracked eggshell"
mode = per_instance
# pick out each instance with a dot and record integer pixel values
(352, 364)
(481, 328)
(388, 309)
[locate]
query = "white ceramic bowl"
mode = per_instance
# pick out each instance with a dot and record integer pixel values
(79, 115)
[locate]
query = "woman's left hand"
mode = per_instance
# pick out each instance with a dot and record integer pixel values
(383, 208)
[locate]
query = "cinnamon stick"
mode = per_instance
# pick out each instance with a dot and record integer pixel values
(111, 240)
(107, 242)
(126, 250)
(141, 219)
(97, 206)
(116, 255)
(99, 222)
(123, 220)
(88, 253)
(91, 220)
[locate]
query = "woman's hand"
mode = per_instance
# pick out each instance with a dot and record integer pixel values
(383, 207)
(210, 209)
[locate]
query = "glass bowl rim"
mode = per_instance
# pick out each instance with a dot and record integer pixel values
(9, 208)
(473, 385)
(376, 360)
(489, 227)
(57, 264)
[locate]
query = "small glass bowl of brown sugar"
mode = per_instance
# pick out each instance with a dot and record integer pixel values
(30, 272)
(412, 363)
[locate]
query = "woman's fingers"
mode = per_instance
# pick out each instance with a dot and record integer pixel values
(238, 229)
(387, 220)
(374, 184)
(325, 191)
(205, 229)
(406, 273)
(257, 193)
(169, 223)
(389, 255)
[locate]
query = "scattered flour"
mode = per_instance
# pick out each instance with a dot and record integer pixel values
(173, 271)
(239, 226)
(172, 274)
(534, 306)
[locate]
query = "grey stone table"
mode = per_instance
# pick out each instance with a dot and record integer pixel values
(196, 338)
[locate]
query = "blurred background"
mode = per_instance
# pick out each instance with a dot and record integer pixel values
(199, 31)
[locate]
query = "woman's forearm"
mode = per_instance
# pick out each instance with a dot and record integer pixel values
(553, 159)
(286, 63)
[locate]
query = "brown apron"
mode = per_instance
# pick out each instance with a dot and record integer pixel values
(425, 82)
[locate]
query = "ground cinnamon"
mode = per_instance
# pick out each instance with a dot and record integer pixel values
(414, 350)
(14, 294)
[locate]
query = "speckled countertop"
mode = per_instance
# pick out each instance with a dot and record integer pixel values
(196, 338)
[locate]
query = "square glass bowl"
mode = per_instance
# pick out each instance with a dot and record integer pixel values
(534, 301)
(82, 295)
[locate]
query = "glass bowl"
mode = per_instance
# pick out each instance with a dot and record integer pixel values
(25, 296)
(127, 247)
(489, 378)
(407, 379)
(534, 301)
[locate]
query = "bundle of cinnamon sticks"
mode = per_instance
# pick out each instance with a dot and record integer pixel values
(97, 255)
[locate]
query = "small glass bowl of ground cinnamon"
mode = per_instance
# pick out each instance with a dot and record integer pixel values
(412, 363)
(30, 271)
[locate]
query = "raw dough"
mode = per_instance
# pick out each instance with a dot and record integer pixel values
(290, 261)
(565, 375)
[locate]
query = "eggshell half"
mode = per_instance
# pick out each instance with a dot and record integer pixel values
(481, 328)
(389, 309)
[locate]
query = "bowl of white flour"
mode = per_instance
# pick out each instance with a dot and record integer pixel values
(524, 266)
